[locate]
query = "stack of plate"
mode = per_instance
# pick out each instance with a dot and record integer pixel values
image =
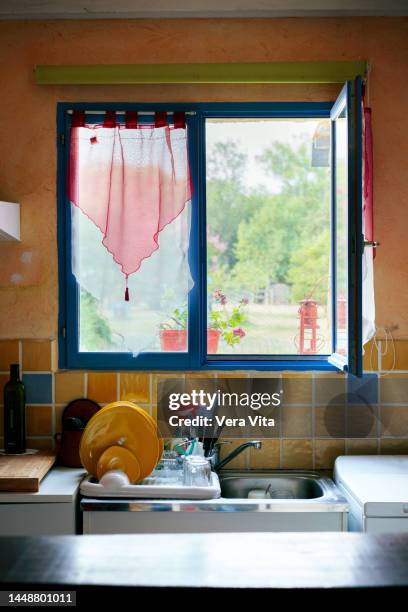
(121, 436)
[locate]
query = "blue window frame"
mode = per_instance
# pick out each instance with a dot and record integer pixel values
(196, 358)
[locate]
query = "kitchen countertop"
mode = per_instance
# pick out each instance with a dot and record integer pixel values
(58, 486)
(256, 560)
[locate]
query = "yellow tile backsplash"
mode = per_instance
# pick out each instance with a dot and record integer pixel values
(267, 457)
(326, 451)
(311, 436)
(135, 387)
(69, 386)
(297, 422)
(39, 420)
(297, 389)
(102, 387)
(9, 353)
(36, 356)
(356, 446)
(38, 443)
(394, 389)
(393, 447)
(394, 421)
(241, 462)
(297, 454)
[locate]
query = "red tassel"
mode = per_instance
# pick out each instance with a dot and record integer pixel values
(126, 294)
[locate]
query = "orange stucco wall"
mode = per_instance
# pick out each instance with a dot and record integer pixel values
(27, 127)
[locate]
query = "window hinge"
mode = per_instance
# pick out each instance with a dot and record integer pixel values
(62, 138)
(64, 332)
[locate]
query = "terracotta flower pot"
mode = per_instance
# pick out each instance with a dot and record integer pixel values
(213, 338)
(173, 340)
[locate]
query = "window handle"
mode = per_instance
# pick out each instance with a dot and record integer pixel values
(371, 243)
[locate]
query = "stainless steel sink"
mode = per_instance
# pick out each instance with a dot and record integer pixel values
(299, 501)
(277, 485)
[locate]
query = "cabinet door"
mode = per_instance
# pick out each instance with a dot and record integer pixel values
(105, 522)
(37, 519)
(386, 525)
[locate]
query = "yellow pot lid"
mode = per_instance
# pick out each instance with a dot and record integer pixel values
(118, 458)
(125, 425)
(145, 414)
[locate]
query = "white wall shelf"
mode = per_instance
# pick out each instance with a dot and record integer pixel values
(9, 221)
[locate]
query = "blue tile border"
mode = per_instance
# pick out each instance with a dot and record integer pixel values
(38, 388)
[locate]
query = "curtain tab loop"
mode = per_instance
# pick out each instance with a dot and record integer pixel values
(131, 119)
(78, 119)
(110, 119)
(179, 120)
(160, 120)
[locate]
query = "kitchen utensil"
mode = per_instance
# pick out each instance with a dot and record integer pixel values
(197, 471)
(125, 425)
(147, 416)
(118, 458)
(74, 419)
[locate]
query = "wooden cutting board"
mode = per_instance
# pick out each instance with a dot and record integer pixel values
(24, 472)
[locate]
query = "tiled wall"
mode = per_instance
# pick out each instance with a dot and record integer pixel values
(303, 441)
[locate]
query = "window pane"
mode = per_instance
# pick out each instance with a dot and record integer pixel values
(268, 236)
(341, 211)
(155, 318)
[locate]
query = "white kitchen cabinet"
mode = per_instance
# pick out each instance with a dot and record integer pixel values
(114, 516)
(51, 511)
(376, 488)
(208, 522)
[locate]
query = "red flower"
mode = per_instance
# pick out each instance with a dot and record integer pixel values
(238, 331)
(220, 297)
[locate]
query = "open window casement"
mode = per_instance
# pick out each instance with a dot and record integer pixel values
(348, 244)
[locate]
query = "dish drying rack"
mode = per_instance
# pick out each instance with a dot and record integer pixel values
(153, 487)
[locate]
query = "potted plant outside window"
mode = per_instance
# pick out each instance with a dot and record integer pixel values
(224, 323)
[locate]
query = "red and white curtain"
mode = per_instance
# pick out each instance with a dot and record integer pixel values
(368, 229)
(129, 186)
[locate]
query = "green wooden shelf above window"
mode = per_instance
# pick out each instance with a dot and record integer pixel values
(145, 74)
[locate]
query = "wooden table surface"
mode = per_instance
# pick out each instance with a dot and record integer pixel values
(246, 560)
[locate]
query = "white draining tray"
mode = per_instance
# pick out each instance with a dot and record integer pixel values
(90, 488)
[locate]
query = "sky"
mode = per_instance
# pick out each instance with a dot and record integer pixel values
(253, 137)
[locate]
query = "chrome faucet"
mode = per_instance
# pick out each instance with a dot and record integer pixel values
(253, 443)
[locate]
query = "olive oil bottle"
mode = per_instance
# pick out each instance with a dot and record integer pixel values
(14, 413)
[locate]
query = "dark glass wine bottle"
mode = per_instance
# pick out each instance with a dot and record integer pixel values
(14, 413)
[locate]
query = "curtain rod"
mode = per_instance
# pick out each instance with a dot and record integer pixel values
(232, 73)
(99, 112)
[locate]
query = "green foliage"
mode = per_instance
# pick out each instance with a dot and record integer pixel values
(227, 202)
(269, 238)
(228, 321)
(309, 270)
(178, 319)
(96, 334)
